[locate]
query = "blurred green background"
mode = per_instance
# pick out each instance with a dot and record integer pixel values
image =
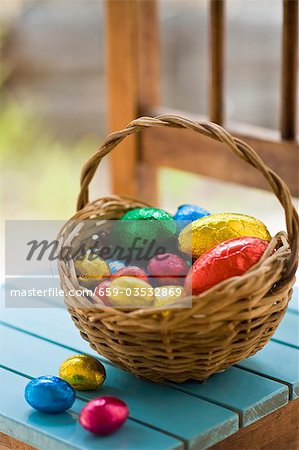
(39, 173)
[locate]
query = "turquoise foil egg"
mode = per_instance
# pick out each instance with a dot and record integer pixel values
(49, 394)
(188, 213)
(115, 266)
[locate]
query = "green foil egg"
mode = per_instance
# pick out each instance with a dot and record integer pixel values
(148, 223)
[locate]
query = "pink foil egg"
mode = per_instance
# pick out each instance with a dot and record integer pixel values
(104, 415)
(168, 269)
(101, 293)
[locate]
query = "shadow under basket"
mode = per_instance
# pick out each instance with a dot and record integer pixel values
(225, 324)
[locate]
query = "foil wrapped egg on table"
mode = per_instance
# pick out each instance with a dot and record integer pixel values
(49, 394)
(83, 372)
(104, 415)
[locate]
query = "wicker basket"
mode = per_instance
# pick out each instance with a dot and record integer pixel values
(226, 324)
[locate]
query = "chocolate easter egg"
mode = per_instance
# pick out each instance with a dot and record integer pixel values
(114, 266)
(104, 415)
(49, 394)
(161, 226)
(83, 372)
(101, 293)
(167, 268)
(166, 295)
(130, 292)
(91, 269)
(131, 271)
(189, 213)
(203, 234)
(229, 259)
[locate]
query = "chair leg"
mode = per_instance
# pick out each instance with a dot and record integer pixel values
(133, 75)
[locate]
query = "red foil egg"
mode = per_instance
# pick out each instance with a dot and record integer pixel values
(229, 259)
(131, 271)
(104, 415)
(100, 293)
(168, 269)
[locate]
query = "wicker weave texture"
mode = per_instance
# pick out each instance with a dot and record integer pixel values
(226, 324)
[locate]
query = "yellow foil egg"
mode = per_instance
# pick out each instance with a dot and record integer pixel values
(83, 372)
(166, 295)
(130, 292)
(91, 269)
(205, 233)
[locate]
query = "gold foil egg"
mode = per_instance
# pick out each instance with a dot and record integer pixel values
(203, 234)
(166, 295)
(130, 292)
(83, 372)
(91, 269)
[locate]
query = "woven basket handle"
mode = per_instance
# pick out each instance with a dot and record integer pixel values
(214, 131)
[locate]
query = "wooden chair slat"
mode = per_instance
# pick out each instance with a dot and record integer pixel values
(163, 147)
(122, 75)
(181, 415)
(289, 69)
(133, 70)
(217, 44)
(62, 431)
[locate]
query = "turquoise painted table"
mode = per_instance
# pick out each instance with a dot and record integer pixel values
(229, 411)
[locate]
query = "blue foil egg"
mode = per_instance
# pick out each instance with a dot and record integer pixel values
(115, 266)
(188, 213)
(49, 394)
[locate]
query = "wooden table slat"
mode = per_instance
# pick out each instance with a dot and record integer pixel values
(189, 418)
(287, 332)
(277, 361)
(294, 303)
(62, 431)
(251, 395)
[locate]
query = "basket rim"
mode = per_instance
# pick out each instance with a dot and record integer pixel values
(212, 131)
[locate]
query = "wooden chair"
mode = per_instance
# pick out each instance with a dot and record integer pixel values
(134, 90)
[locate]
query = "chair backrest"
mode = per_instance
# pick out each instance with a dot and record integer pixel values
(134, 90)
